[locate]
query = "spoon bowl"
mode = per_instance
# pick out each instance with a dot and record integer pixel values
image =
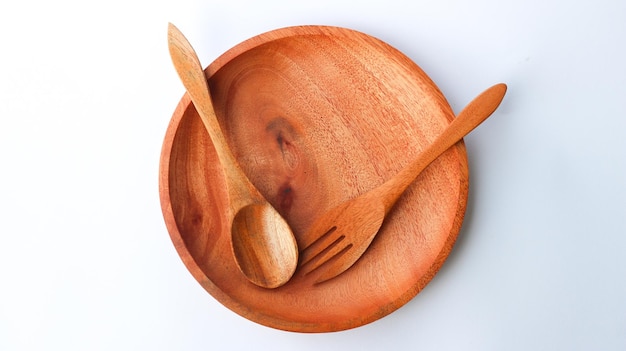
(262, 245)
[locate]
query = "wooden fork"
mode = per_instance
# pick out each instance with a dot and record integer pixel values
(339, 238)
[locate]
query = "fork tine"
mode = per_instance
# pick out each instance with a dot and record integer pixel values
(319, 245)
(335, 249)
(336, 265)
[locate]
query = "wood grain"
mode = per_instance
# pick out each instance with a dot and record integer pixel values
(315, 116)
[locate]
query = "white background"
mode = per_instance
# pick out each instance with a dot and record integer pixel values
(86, 93)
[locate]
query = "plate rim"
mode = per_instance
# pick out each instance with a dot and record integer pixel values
(194, 268)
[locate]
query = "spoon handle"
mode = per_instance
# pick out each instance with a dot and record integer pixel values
(192, 75)
(469, 118)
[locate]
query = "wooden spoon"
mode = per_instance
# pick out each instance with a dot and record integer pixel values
(264, 246)
(337, 240)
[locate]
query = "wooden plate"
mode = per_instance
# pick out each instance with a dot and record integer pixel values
(316, 115)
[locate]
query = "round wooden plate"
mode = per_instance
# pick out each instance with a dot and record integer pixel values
(315, 116)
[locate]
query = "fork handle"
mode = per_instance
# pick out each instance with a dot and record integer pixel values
(470, 117)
